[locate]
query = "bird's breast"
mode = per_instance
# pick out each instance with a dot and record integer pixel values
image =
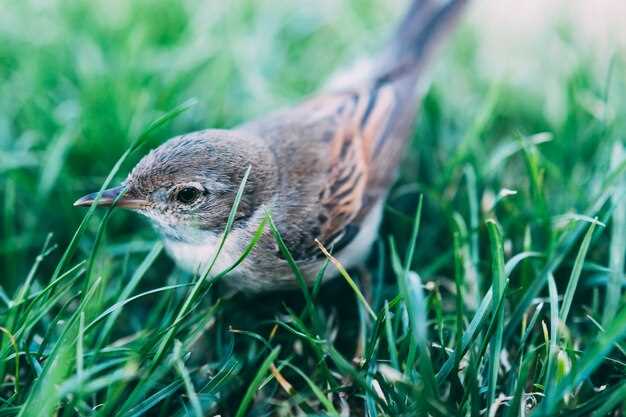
(262, 270)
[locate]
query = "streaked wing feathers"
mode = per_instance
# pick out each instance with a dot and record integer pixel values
(361, 127)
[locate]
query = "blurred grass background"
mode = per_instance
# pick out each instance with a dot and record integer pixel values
(529, 100)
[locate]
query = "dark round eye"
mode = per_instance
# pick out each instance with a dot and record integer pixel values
(188, 195)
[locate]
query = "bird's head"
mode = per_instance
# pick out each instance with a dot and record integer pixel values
(185, 186)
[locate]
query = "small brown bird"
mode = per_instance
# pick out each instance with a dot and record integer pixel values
(322, 168)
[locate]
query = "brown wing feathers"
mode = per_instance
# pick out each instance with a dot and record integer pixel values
(366, 125)
(361, 125)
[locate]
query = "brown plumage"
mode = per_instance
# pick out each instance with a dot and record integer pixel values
(322, 167)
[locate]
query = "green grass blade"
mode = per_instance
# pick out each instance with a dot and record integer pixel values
(408, 261)
(412, 296)
(184, 373)
(44, 395)
(310, 308)
(531, 325)
(160, 122)
(349, 280)
(251, 245)
(476, 324)
(45, 251)
(572, 284)
(256, 382)
(347, 368)
(515, 406)
(472, 192)
(391, 340)
(599, 326)
(229, 221)
(155, 398)
(117, 306)
(558, 254)
(13, 344)
(128, 289)
(227, 372)
(590, 360)
(617, 248)
(415, 298)
(616, 397)
(498, 283)
(317, 391)
(459, 296)
(548, 381)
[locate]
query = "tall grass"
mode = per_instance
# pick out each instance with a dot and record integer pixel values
(495, 288)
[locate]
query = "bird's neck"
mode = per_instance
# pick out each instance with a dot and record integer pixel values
(195, 255)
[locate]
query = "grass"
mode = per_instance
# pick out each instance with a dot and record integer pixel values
(495, 288)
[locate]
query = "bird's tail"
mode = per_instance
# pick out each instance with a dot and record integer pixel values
(403, 58)
(423, 27)
(400, 69)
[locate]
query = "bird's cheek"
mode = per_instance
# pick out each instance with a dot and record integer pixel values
(158, 218)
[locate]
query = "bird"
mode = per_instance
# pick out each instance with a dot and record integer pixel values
(321, 168)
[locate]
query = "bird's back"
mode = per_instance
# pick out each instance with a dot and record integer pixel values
(337, 153)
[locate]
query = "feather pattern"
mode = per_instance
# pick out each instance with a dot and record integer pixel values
(348, 130)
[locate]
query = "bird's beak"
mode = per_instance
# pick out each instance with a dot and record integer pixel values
(108, 198)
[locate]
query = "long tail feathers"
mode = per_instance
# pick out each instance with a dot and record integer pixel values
(425, 24)
(422, 28)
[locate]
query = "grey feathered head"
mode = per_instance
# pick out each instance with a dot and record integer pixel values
(188, 183)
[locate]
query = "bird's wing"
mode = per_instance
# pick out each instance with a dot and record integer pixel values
(361, 128)
(349, 128)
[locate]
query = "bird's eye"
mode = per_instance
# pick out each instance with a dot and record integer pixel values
(188, 195)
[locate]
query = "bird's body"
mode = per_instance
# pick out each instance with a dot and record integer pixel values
(322, 168)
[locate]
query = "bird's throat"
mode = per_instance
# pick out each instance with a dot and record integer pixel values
(194, 257)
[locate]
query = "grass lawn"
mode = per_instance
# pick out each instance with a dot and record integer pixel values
(495, 288)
